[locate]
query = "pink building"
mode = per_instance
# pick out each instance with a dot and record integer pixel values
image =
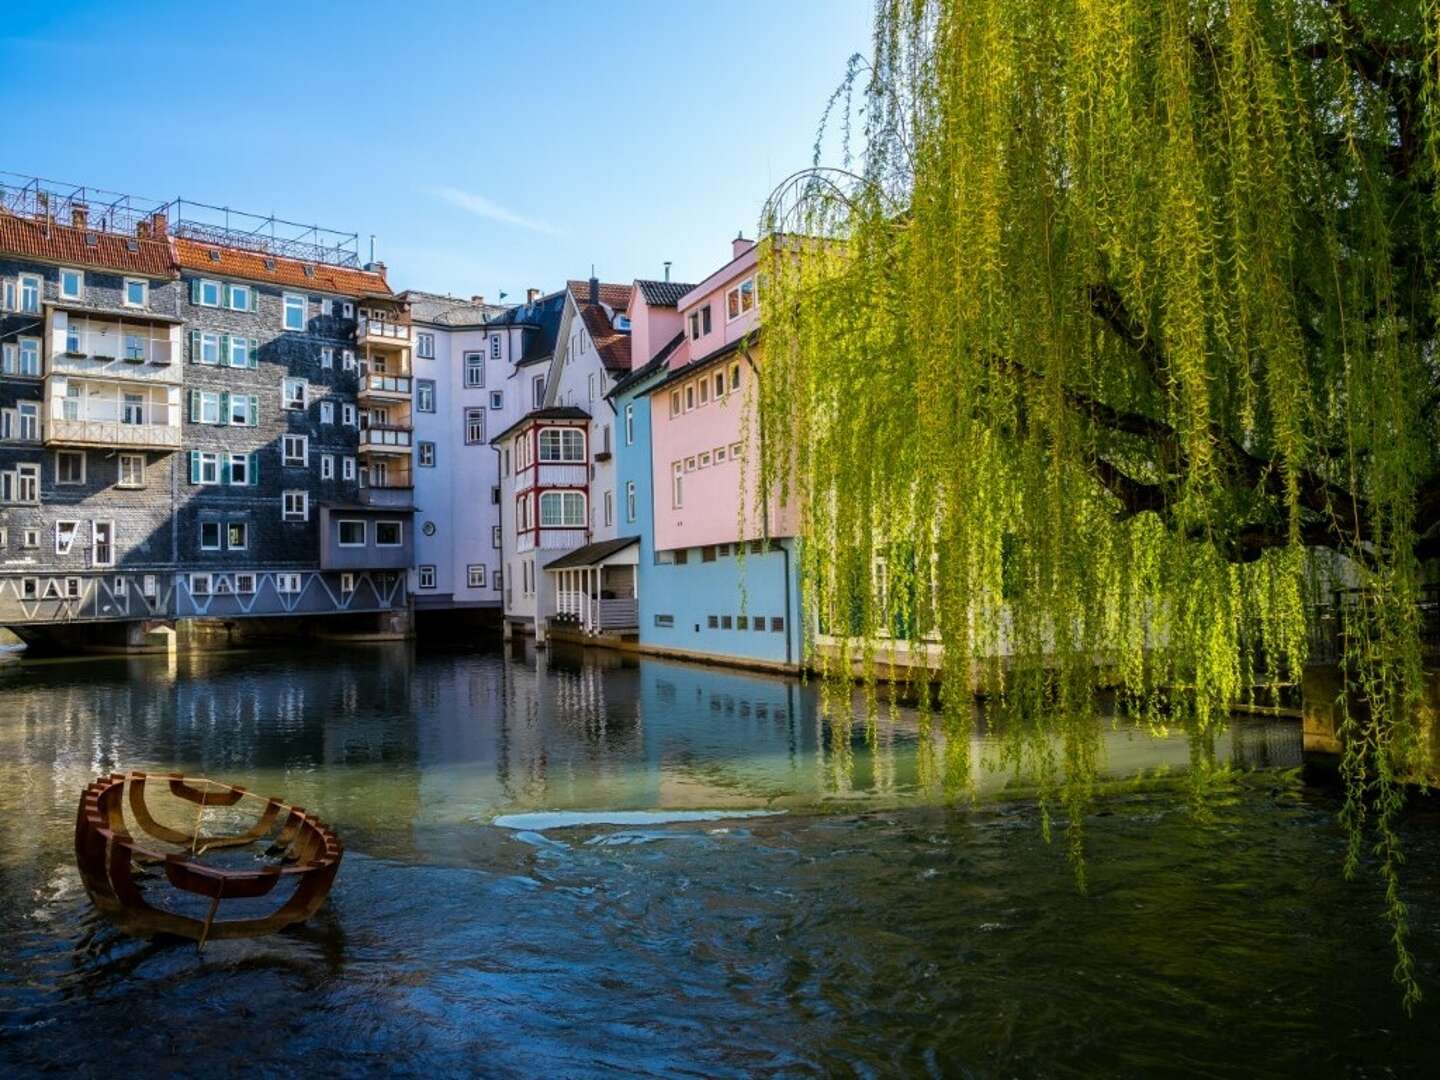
(703, 434)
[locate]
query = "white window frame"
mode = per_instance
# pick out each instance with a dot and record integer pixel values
(29, 346)
(327, 466)
(474, 368)
(293, 458)
(425, 395)
(120, 481)
(245, 584)
(300, 514)
(340, 540)
(79, 293)
(399, 534)
(219, 528)
(37, 289)
(69, 455)
(494, 346)
(561, 456)
(291, 402)
(497, 399)
(125, 286)
(347, 583)
(629, 423)
(206, 284)
(289, 583)
(212, 458)
(327, 412)
(244, 545)
(327, 356)
(677, 485)
(347, 414)
(475, 419)
(471, 570)
(630, 501)
(426, 455)
(244, 462)
(347, 469)
(66, 530)
(209, 347)
(425, 576)
(565, 495)
(425, 345)
(289, 302)
(241, 402)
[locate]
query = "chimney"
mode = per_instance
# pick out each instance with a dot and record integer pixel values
(739, 246)
(478, 301)
(374, 268)
(42, 204)
(142, 228)
(531, 295)
(79, 215)
(594, 287)
(667, 269)
(161, 223)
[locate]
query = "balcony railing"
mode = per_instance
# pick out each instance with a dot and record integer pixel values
(385, 436)
(116, 345)
(90, 428)
(386, 384)
(384, 331)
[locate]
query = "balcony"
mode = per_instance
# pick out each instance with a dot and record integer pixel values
(118, 344)
(386, 439)
(128, 423)
(383, 334)
(382, 388)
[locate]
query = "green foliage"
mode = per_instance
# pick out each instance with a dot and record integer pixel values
(1117, 347)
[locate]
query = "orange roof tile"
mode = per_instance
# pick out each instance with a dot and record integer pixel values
(612, 345)
(251, 265)
(615, 296)
(56, 243)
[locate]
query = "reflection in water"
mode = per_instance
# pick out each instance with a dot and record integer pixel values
(868, 923)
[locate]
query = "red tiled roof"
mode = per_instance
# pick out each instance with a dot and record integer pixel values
(56, 243)
(612, 345)
(615, 296)
(250, 265)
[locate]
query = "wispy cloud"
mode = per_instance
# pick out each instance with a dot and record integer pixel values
(482, 207)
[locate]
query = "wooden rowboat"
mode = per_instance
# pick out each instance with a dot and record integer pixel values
(299, 850)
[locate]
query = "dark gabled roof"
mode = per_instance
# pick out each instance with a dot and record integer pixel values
(654, 367)
(663, 293)
(453, 311)
(364, 508)
(541, 324)
(591, 554)
(704, 361)
(550, 412)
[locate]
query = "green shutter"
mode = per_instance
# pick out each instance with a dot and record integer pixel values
(224, 407)
(225, 349)
(194, 346)
(229, 296)
(255, 469)
(254, 410)
(194, 466)
(225, 469)
(253, 353)
(194, 290)
(194, 406)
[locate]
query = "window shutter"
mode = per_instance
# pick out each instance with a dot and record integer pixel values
(254, 411)
(194, 466)
(254, 474)
(194, 346)
(225, 469)
(251, 352)
(225, 297)
(225, 349)
(194, 290)
(194, 410)
(225, 409)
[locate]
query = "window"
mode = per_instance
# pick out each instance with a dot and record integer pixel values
(494, 346)
(734, 451)
(537, 387)
(30, 357)
(347, 469)
(704, 391)
(474, 369)
(295, 311)
(609, 503)
(562, 509)
(742, 622)
(630, 424)
(239, 298)
(495, 537)
(208, 351)
(690, 464)
(712, 622)
(777, 624)
(347, 310)
(293, 393)
(425, 346)
(677, 485)
(630, 500)
(295, 449)
(734, 377)
(237, 536)
(205, 407)
(65, 536)
(327, 357)
(720, 454)
(675, 403)
(132, 471)
(30, 538)
(209, 536)
(26, 484)
(347, 359)
(327, 306)
(347, 414)
(726, 623)
(562, 444)
(327, 466)
(427, 455)
(327, 412)
(590, 385)
(245, 583)
(352, 533)
(496, 580)
(475, 576)
(347, 583)
(682, 556)
(72, 284)
(204, 467)
(664, 621)
(719, 385)
(295, 506)
(69, 467)
(497, 399)
(242, 473)
(388, 533)
(136, 292)
(425, 395)
(30, 293)
(474, 426)
(705, 460)
(689, 397)
(707, 553)
(426, 575)
(205, 293)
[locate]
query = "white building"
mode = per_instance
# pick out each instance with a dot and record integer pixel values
(557, 469)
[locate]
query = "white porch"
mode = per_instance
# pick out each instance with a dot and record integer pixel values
(595, 586)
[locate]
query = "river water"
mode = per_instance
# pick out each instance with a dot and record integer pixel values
(870, 927)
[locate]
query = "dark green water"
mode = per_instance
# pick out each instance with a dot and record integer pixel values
(870, 929)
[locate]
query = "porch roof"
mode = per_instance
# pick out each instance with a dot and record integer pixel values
(597, 554)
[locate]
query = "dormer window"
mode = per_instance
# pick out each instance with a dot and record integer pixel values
(622, 322)
(214, 254)
(309, 271)
(270, 264)
(740, 300)
(700, 323)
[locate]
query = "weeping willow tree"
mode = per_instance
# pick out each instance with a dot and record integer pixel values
(1107, 348)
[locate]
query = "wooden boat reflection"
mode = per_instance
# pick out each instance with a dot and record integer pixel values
(300, 850)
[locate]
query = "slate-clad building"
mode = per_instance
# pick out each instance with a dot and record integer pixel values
(90, 407)
(295, 492)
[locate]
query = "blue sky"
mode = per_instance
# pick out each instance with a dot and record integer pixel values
(487, 146)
